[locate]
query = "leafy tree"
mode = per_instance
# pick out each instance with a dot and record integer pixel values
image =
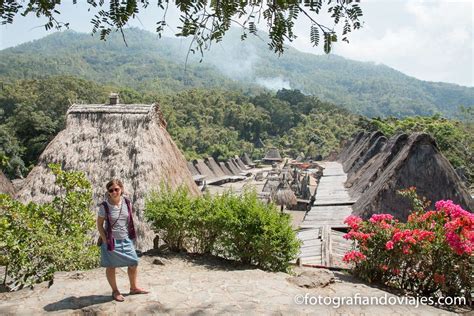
(40, 239)
(207, 21)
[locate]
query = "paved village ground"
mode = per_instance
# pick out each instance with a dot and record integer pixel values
(182, 284)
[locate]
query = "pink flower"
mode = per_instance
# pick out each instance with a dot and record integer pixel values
(460, 229)
(353, 221)
(353, 256)
(389, 245)
(384, 267)
(380, 217)
(359, 236)
(451, 209)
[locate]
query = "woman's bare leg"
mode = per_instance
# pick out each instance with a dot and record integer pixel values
(110, 273)
(132, 275)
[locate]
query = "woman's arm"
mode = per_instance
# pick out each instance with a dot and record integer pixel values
(100, 228)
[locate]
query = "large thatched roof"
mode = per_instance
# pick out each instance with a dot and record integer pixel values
(5, 185)
(359, 180)
(349, 146)
(129, 142)
(359, 150)
(418, 163)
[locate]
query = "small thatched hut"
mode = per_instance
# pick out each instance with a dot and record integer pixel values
(129, 142)
(420, 164)
(272, 155)
(5, 185)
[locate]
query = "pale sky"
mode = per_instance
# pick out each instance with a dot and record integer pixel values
(430, 40)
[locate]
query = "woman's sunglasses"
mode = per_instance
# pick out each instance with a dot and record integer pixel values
(114, 190)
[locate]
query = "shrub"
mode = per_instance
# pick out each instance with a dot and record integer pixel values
(429, 255)
(40, 239)
(239, 228)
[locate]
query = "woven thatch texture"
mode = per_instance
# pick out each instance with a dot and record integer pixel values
(272, 154)
(349, 146)
(192, 169)
(126, 142)
(359, 151)
(225, 169)
(246, 159)
(365, 176)
(214, 166)
(376, 147)
(240, 163)
(232, 167)
(5, 185)
(204, 169)
(420, 164)
(236, 166)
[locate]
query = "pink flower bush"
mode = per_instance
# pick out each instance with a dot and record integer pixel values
(354, 256)
(429, 254)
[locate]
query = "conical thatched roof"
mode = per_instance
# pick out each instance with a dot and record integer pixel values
(359, 150)
(240, 163)
(373, 150)
(366, 175)
(420, 164)
(272, 155)
(203, 169)
(350, 145)
(5, 185)
(192, 169)
(120, 141)
(232, 167)
(214, 166)
(246, 159)
(225, 169)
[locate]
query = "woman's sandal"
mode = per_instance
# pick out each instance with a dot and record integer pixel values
(117, 296)
(138, 291)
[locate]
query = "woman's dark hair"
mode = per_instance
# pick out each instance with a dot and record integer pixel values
(114, 182)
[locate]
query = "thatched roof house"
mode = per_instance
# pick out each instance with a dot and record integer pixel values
(214, 166)
(359, 150)
(418, 163)
(129, 142)
(247, 160)
(272, 155)
(361, 179)
(5, 185)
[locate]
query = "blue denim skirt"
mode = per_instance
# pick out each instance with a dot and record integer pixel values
(124, 254)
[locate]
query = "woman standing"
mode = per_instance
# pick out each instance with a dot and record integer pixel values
(117, 249)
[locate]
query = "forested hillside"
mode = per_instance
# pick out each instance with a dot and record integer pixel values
(203, 122)
(219, 107)
(158, 65)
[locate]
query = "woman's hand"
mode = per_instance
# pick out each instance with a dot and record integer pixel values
(100, 228)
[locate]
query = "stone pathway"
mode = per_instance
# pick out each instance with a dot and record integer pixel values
(194, 285)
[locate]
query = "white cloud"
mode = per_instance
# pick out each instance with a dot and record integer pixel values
(430, 40)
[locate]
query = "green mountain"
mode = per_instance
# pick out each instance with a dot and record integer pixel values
(152, 64)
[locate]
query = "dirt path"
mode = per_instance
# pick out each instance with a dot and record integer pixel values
(195, 285)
